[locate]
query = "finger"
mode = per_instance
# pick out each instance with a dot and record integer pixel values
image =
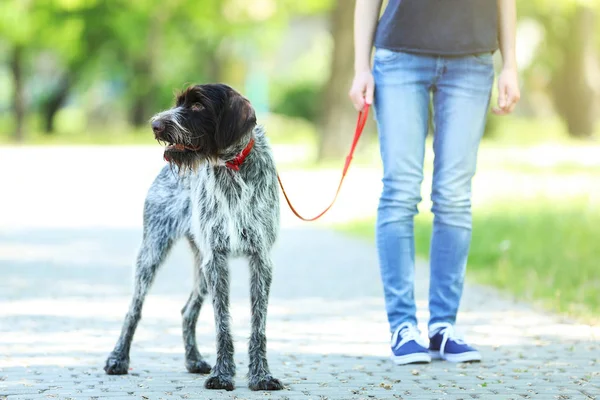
(513, 99)
(498, 111)
(356, 98)
(502, 97)
(369, 93)
(503, 94)
(358, 102)
(511, 107)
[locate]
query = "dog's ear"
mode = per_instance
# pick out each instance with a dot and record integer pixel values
(237, 119)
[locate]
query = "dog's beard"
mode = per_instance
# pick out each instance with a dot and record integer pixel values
(184, 160)
(176, 140)
(188, 159)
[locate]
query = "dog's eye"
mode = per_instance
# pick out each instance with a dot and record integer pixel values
(197, 107)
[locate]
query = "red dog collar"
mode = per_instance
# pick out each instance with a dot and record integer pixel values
(239, 159)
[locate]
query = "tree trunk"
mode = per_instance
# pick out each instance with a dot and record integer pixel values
(577, 83)
(16, 66)
(55, 102)
(338, 119)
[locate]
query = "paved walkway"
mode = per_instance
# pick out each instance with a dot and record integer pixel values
(65, 276)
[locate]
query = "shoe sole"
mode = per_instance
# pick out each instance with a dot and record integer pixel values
(415, 358)
(470, 356)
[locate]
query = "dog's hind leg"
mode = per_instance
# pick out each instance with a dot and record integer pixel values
(193, 360)
(217, 277)
(259, 375)
(152, 253)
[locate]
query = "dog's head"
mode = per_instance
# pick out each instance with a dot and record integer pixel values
(206, 123)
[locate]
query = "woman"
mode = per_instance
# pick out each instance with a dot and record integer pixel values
(439, 50)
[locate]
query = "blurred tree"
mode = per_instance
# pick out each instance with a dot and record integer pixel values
(16, 66)
(78, 43)
(17, 28)
(135, 52)
(576, 85)
(138, 31)
(338, 117)
(570, 55)
(167, 45)
(69, 30)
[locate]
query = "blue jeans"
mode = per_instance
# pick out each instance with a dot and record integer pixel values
(460, 88)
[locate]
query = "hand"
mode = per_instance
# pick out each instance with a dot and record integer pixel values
(362, 89)
(508, 91)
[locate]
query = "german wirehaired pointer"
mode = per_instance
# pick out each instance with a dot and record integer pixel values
(219, 191)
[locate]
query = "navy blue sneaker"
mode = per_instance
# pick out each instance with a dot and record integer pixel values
(445, 344)
(408, 346)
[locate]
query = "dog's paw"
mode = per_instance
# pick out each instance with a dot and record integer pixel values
(219, 382)
(198, 367)
(116, 365)
(265, 383)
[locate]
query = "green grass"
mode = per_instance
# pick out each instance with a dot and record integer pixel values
(541, 251)
(563, 168)
(522, 131)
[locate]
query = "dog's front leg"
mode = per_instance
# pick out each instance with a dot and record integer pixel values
(217, 278)
(151, 255)
(259, 375)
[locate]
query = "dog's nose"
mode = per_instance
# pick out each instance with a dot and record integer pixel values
(157, 127)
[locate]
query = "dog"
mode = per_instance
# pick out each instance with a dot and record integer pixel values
(219, 192)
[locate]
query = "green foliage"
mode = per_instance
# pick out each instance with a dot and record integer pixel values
(301, 101)
(17, 21)
(139, 52)
(307, 7)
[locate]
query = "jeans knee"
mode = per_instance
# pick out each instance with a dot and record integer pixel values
(399, 202)
(452, 207)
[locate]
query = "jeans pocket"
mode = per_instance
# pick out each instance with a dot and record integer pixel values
(485, 58)
(385, 55)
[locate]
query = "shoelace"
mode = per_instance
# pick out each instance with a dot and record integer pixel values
(448, 333)
(407, 332)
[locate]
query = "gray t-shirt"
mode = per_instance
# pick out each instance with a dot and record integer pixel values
(439, 27)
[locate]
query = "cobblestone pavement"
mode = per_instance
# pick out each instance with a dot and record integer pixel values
(65, 279)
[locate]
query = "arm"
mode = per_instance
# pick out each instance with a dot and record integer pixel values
(366, 15)
(508, 82)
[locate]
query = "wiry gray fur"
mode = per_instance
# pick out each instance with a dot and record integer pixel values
(222, 213)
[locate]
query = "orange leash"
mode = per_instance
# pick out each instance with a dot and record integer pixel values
(360, 124)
